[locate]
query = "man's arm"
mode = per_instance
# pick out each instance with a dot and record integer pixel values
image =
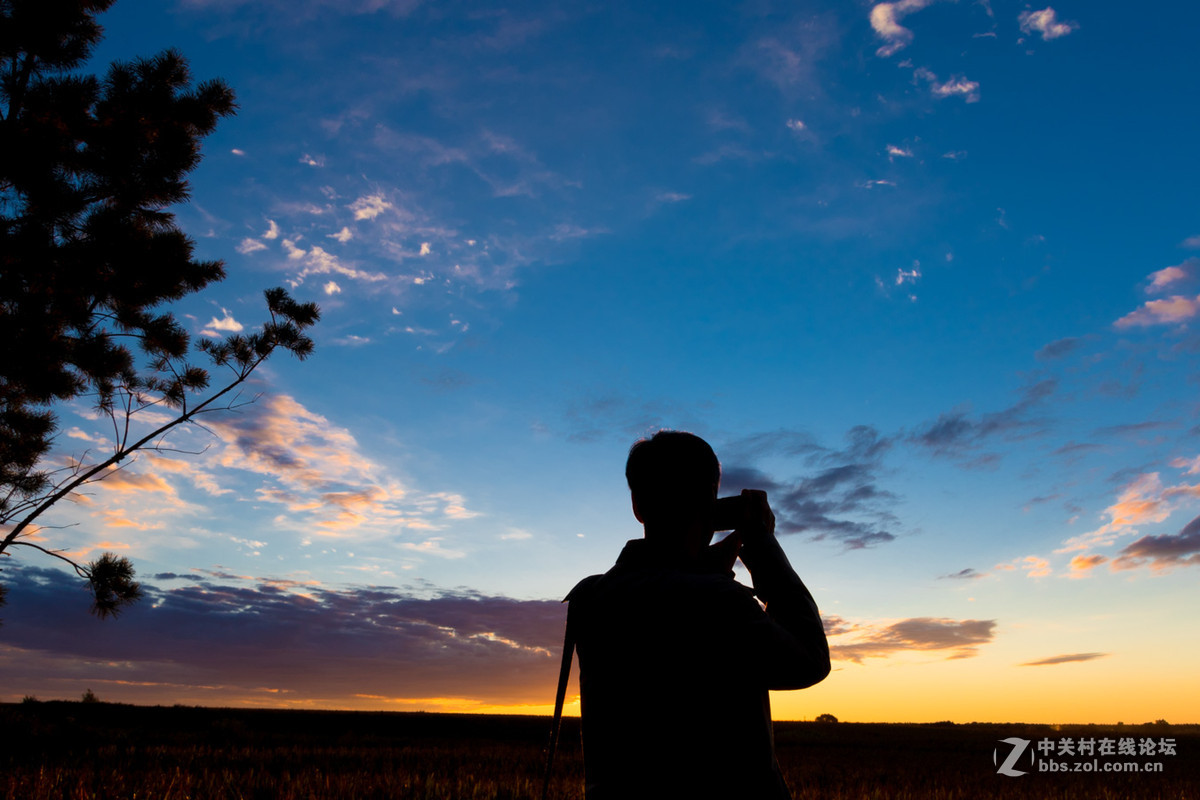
(805, 657)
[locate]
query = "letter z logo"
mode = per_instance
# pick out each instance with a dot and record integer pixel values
(1018, 747)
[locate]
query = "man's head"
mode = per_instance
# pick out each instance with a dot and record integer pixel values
(673, 477)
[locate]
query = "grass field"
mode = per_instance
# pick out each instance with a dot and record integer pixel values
(97, 750)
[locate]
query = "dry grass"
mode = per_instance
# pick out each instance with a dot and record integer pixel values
(98, 751)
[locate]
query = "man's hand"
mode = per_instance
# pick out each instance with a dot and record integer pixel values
(755, 533)
(758, 521)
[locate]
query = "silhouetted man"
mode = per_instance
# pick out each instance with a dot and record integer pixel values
(675, 656)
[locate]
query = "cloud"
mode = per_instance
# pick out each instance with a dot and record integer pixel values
(318, 261)
(911, 276)
(226, 324)
(1046, 23)
(1142, 501)
(369, 206)
(1192, 467)
(885, 20)
(1064, 659)
(318, 161)
(1034, 566)
(241, 634)
(317, 471)
(842, 501)
(1058, 348)
(123, 481)
(201, 478)
(955, 434)
(796, 125)
(272, 231)
(249, 246)
(955, 638)
(957, 85)
(1161, 312)
(1163, 552)
(1165, 277)
(343, 236)
(425, 250)
(895, 152)
(969, 573)
(1083, 565)
(331, 288)
(1191, 242)
(1185, 270)
(790, 56)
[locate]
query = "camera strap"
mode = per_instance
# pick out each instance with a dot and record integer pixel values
(564, 674)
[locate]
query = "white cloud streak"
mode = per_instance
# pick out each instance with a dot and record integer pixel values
(885, 20)
(1045, 23)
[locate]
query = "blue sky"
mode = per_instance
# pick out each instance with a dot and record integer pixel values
(926, 271)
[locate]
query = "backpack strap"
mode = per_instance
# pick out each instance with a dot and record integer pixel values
(564, 674)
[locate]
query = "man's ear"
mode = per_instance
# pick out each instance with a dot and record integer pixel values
(636, 513)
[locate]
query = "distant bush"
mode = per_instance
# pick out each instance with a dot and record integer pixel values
(826, 718)
(28, 699)
(89, 697)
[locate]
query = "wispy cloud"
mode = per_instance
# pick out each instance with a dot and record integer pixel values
(370, 206)
(957, 85)
(956, 434)
(970, 573)
(885, 20)
(317, 471)
(248, 246)
(1064, 659)
(318, 261)
(1046, 23)
(1145, 500)
(952, 638)
(1059, 348)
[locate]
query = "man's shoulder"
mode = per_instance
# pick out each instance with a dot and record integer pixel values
(582, 588)
(626, 583)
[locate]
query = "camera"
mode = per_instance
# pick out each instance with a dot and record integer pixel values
(728, 513)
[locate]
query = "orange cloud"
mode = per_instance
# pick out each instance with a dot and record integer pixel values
(125, 482)
(1142, 501)
(1083, 565)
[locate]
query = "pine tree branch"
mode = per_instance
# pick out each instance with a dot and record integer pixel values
(123, 451)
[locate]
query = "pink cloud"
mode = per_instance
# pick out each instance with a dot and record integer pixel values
(1046, 23)
(1161, 312)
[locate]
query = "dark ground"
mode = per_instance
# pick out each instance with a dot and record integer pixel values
(102, 750)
